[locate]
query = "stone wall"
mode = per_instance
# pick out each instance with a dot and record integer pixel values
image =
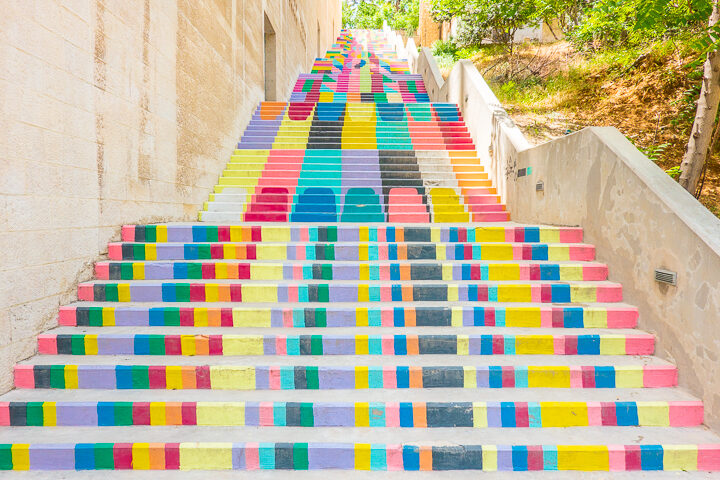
(121, 111)
(634, 213)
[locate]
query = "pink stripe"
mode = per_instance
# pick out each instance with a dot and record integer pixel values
(102, 270)
(266, 414)
(115, 251)
(686, 414)
(393, 455)
(252, 456)
(576, 376)
(386, 315)
(128, 233)
(383, 252)
(517, 252)
(609, 293)
(525, 272)
(281, 345)
(571, 235)
(392, 414)
(385, 272)
(274, 378)
(617, 458)
(594, 414)
(292, 292)
(24, 376)
(559, 345)
(639, 345)
(66, 316)
(389, 377)
(536, 293)
(545, 317)
(300, 250)
(382, 234)
(386, 293)
(660, 376)
(388, 345)
(510, 234)
(297, 272)
(622, 318)
(595, 272)
(709, 457)
(5, 414)
(85, 292)
(287, 317)
(47, 344)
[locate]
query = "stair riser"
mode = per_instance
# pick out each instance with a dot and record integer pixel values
(366, 271)
(298, 377)
(349, 252)
(348, 233)
(529, 317)
(303, 293)
(374, 414)
(232, 345)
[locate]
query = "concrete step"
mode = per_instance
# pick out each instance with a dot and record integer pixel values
(616, 315)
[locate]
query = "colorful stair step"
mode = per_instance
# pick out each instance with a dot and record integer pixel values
(351, 251)
(357, 377)
(535, 292)
(159, 270)
(229, 344)
(359, 414)
(312, 317)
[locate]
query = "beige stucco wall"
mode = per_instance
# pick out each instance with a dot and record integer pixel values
(121, 111)
(634, 213)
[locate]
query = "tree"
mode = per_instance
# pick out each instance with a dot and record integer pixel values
(399, 14)
(701, 139)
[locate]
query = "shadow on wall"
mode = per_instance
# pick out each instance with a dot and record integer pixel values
(637, 216)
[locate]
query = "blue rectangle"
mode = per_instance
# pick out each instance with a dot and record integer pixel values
(486, 345)
(520, 458)
(588, 345)
(550, 272)
(459, 251)
(626, 413)
(507, 414)
(156, 317)
(651, 457)
(478, 316)
(411, 458)
(406, 414)
(532, 234)
(85, 456)
(141, 345)
(560, 293)
(402, 375)
(168, 292)
(399, 316)
(199, 233)
(573, 317)
(400, 344)
(123, 376)
(396, 293)
(394, 271)
(496, 377)
(539, 252)
(106, 414)
(604, 377)
(392, 251)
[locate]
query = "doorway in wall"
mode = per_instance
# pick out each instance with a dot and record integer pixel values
(270, 54)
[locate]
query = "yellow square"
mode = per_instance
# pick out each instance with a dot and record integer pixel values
(206, 456)
(534, 345)
(251, 317)
(595, 318)
(469, 377)
(514, 293)
(680, 457)
(221, 413)
(49, 414)
(583, 457)
(141, 456)
(480, 414)
(362, 414)
(361, 377)
(361, 345)
(200, 317)
(108, 316)
(225, 377)
(549, 235)
(71, 376)
(243, 345)
(271, 252)
(564, 414)
(456, 319)
(173, 377)
(161, 234)
(580, 293)
(612, 344)
(497, 252)
(266, 271)
(453, 294)
(361, 317)
(440, 250)
(362, 456)
(447, 272)
(653, 414)
(212, 292)
(463, 345)
(489, 458)
(490, 234)
(522, 317)
(500, 271)
(187, 344)
(558, 253)
(138, 271)
(571, 272)
(276, 234)
(91, 344)
(123, 292)
(549, 377)
(157, 413)
(259, 293)
(628, 377)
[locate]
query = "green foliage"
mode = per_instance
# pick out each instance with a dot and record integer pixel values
(674, 172)
(399, 14)
(445, 48)
(623, 23)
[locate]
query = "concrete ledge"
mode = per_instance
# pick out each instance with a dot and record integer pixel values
(636, 215)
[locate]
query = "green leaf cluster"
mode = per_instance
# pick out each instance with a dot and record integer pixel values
(401, 15)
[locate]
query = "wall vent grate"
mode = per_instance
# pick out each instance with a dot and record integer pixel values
(665, 276)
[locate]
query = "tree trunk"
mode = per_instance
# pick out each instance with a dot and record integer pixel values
(697, 149)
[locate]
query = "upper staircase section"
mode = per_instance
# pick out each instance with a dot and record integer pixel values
(358, 141)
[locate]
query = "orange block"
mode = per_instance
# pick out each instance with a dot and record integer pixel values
(425, 458)
(410, 317)
(419, 415)
(173, 413)
(157, 456)
(188, 377)
(405, 272)
(202, 345)
(407, 293)
(223, 294)
(415, 377)
(213, 316)
(413, 347)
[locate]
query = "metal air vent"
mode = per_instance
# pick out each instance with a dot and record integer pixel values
(665, 276)
(540, 186)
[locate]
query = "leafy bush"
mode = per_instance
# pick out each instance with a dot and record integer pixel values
(444, 48)
(399, 14)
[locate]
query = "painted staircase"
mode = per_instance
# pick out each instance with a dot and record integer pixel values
(343, 305)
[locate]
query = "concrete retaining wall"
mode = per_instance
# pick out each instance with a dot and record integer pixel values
(116, 112)
(636, 215)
